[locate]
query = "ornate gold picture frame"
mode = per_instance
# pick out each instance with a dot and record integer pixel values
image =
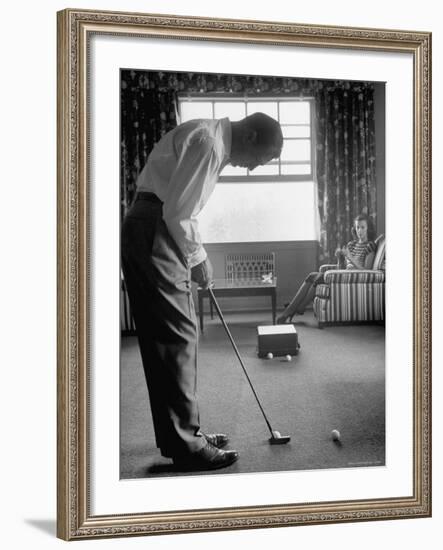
(75, 515)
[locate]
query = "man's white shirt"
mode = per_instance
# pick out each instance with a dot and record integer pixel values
(182, 171)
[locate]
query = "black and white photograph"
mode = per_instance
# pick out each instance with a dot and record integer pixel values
(253, 269)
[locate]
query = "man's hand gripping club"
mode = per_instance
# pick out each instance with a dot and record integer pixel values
(202, 274)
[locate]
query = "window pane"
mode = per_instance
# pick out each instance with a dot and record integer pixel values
(295, 169)
(296, 149)
(296, 131)
(235, 110)
(297, 112)
(267, 107)
(265, 170)
(195, 109)
(260, 212)
(229, 170)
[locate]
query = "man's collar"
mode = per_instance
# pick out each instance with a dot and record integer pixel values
(227, 138)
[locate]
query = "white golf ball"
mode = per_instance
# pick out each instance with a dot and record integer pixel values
(335, 435)
(275, 433)
(288, 358)
(270, 356)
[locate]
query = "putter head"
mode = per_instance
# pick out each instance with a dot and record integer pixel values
(278, 439)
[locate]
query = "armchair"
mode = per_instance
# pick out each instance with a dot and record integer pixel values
(352, 296)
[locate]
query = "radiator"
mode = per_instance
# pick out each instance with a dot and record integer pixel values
(249, 267)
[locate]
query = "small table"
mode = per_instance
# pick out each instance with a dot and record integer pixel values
(227, 288)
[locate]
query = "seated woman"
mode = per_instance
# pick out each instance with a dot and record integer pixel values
(358, 254)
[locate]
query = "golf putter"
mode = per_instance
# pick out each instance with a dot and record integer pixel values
(276, 437)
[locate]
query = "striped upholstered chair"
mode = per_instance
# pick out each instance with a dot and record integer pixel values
(352, 296)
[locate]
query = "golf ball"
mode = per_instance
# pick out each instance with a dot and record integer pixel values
(288, 358)
(335, 435)
(275, 433)
(270, 356)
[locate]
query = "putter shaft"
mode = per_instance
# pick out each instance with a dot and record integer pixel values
(228, 332)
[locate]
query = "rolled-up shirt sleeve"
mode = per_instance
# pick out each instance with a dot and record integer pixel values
(196, 166)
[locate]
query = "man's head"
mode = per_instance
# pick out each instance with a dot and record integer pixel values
(256, 140)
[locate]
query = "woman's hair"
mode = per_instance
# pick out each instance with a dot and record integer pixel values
(367, 219)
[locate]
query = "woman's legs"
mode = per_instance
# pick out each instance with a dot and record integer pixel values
(304, 296)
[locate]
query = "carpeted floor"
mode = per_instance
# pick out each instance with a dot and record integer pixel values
(336, 382)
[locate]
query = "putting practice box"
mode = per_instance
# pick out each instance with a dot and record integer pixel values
(278, 340)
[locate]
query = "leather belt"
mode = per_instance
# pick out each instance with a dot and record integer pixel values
(146, 196)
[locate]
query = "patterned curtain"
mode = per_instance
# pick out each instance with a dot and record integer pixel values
(345, 161)
(148, 111)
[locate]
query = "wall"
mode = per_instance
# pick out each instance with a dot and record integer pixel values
(28, 318)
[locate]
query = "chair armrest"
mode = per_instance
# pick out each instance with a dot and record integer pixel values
(354, 276)
(327, 267)
(322, 291)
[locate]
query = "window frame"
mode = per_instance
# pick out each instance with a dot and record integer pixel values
(271, 98)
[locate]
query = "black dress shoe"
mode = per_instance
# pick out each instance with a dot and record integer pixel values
(218, 440)
(207, 458)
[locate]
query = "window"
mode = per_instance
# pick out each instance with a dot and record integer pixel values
(266, 206)
(295, 117)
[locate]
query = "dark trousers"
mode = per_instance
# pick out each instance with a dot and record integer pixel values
(159, 289)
